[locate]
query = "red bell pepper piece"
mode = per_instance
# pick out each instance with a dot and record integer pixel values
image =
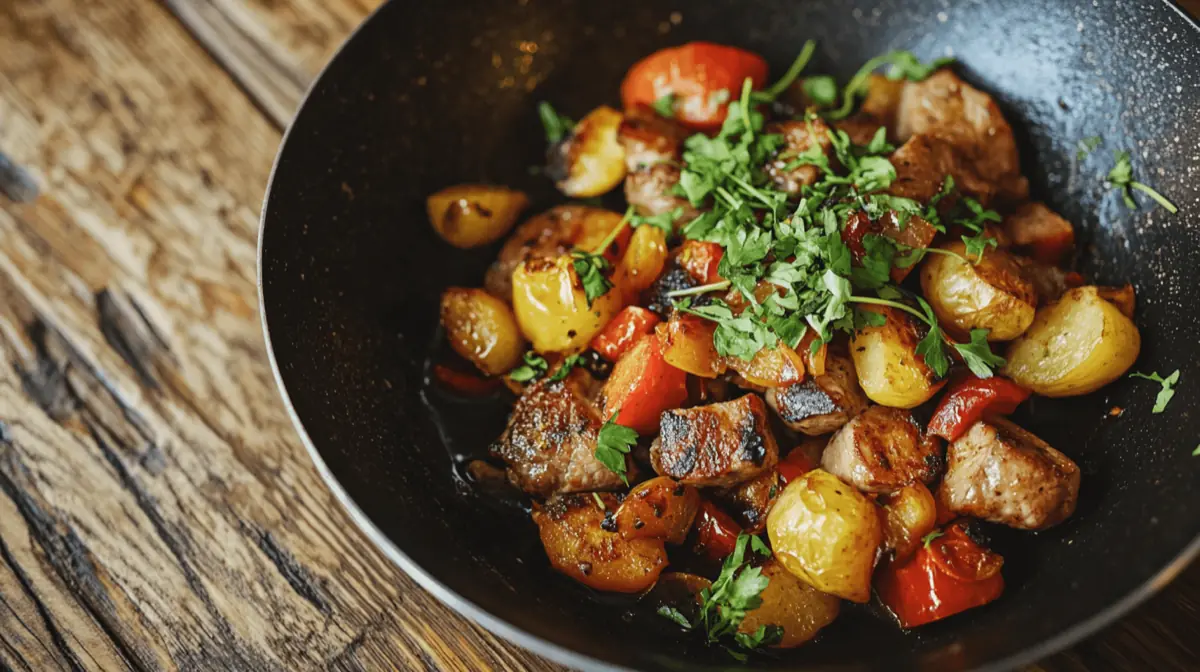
(701, 260)
(643, 385)
(716, 532)
(701, 78)
(796, 464)
(948, 575)
(623, 331)
(467, 384)
(970, 399)
(858, 225)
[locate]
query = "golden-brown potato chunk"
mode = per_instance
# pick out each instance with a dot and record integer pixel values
(470, 215)
(590, 161)
(552, 307)
(910, 513)
(992, 294)
(1074, 346)
(660, 508)
(885, 358)
(482, 329)
(793, 605)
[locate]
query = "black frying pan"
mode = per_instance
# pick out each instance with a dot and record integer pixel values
(429, 94)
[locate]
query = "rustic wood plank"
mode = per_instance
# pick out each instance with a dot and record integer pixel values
(156, 511)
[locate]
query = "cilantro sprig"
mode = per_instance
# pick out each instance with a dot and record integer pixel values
(593, 268)
(1121, 177)
(724, 605)
(555, 125)
(534, 366)
(976, 354)
(1166, 393)
(904, 66)
(612, 445)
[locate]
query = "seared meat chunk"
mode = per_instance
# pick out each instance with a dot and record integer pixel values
(799, 138)
(1049, 282)
(649, 139)
(1041, 230)
(947, 107)
(878, 110)
(719, 444)
(882, 450)
(651, 191)
(750, 502)
(550, 442)
(821, 404)
(922, 164)
(1002, 473)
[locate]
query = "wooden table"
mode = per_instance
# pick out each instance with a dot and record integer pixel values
(157, 510)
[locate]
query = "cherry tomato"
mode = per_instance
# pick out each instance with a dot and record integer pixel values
(642, 386)
(796, 464)
(623, 331)
(702, 78)
(947, 576)
(701, 260)
(716, 532)
(969, 399)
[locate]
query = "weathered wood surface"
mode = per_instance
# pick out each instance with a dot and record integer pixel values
(156, 509)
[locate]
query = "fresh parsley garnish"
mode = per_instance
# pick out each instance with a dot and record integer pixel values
(665, 106)
(1087, 146)
(592, 267)
(556, 126)
(1196, 452)
(977, 244)
(978, 355)
(664, 220)
(1121, 177)
(904, 66)
(613, 444)
(1164, 394)
(534, 367)
(798, 65)
(564, 369)
(723, 606)
(928, 539)
(821, 89)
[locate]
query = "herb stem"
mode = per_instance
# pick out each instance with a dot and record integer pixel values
(612, 235)
(891, 304)
(1159, 198)
(857, 82)
(700, 289)
(794, 71)
(746, 86)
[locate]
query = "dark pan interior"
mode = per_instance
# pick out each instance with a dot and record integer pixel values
(429, 94)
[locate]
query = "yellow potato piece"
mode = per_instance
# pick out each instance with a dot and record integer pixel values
(885, 358)
(989, 295)
(793, 605)
(482, 329)
(470, 215)
(551, 306)
(1074, 346)
(591, 159)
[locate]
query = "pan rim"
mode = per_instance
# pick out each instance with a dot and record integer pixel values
(550, 650)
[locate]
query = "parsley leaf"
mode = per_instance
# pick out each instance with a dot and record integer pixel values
(556, 126)
(590, 268)
(978, 354)
(821, 90)
(904, 66)
(534, 367)
(978, 244)
(932, 348)
(564, 369)
(802, 59)
(1087, 146)
(1196, 452)
(1121, 177)
(664, 220)
(1167, 391)
(672, 614)
(928, 539)
(613, 444)
(665, 106)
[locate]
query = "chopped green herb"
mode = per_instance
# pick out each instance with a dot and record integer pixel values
(1087, 146)
(599, 502)
(802, 59)
(534, 367)
(1196, 452)
(613, 444)
(904, 66)
(1121, 177)
(977, 354)
(1167, 391)
(928, 539)
(978, 244)
(724, 605)
(592, 267)
(665, 106)
(556, 126)
(564, 369)
(665, 220)
(821, 90)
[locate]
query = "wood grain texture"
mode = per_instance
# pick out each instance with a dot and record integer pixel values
(156, 508)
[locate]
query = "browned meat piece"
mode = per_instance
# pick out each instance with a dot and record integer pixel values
(947, 107)
(882, 450)
(922, 164)
(548, 234)
(719, 444)
(649, 139)
(1046, 235)
(798, 137)
(1049, 282)
(1002, 473)
(550, 442)
(650, 190)
(750, 502)
(822, 404)
(883, 99)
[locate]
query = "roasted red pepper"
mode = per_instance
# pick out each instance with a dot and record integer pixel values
(796, 464)
(948, 575)
(716, 532)
(701, 259)
(699, 78)
(623, 331)
(642, 386)
(969, 399)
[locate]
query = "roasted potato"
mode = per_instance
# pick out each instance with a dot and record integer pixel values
(680, 592)
(770, 367)
(552, 308)
(659, 508)
(1074, 346)
(908, 515)
(470, 215)
(552, 233)
(688, 345)
(643, 261)
(578, 545)
(991, 294)
(482, 329)
(793, 605)
(826, 533)
(591, 160)
(885, 358)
